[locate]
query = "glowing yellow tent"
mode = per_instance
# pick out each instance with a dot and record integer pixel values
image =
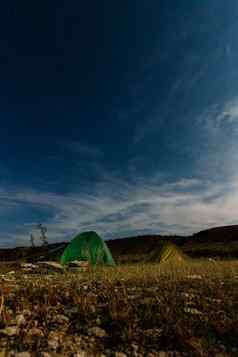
(165, 252)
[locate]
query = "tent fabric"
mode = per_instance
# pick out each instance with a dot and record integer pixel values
(166, 252)
(90, 247)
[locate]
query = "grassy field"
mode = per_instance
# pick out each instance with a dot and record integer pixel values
(183, 309)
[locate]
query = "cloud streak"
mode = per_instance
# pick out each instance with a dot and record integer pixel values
(121, 208)
(84, 149)
(230, 111)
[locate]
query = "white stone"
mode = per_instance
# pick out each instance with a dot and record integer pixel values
(97, 331)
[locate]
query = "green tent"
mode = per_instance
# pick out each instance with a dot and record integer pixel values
(87, 246)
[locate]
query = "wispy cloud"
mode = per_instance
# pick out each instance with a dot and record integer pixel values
(121, 208)
(83, 149)
(218, 132)
(229, 111)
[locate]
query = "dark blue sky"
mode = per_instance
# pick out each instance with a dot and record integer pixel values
(117, 116)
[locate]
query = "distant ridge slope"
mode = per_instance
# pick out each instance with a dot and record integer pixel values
(218, 234)
(214, 242)
(220, 242)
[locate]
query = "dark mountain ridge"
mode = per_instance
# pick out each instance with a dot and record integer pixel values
(221, 242)
(218, 234)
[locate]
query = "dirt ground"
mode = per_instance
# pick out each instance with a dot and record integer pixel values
(137, 310)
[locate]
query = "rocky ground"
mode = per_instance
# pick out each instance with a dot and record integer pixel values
(130, 311)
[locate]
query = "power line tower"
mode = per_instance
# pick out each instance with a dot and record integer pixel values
(32, 240)
(43, 236)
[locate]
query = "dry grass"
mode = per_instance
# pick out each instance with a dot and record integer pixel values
(187, 307)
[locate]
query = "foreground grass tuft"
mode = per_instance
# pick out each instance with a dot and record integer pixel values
(182, 309)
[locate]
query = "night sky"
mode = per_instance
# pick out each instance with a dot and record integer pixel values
(117, 116)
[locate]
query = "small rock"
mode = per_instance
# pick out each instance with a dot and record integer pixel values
(53, 343)
(9, 331)
(194, 276)
(26, 313)
(50, 266)
(20, 320)
(120, 354)
(61, 319)
(98, 332)
(55, 340)
(36, 332)
(135, 347)
(71, 311)
(79, 264)
(27, 265)
(153, 332)
(22, 354)
(192, 311)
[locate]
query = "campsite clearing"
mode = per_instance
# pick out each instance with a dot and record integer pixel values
(185, 309)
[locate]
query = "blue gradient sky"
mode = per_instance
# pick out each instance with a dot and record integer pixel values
(120, 117)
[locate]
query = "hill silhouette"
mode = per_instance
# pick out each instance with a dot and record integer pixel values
(220, 242)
